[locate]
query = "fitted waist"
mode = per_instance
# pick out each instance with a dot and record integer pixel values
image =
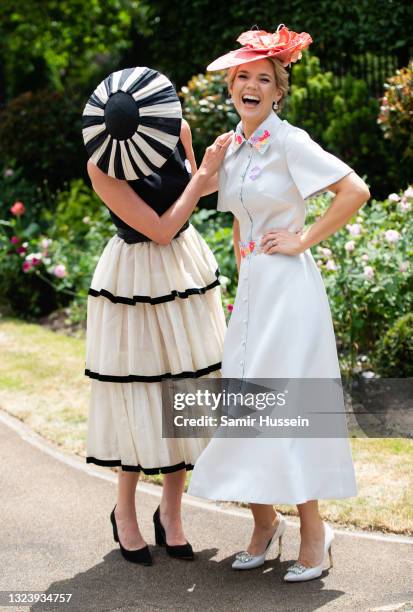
(131, 236)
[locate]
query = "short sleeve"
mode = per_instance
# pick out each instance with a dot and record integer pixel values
(312, 168)
(221, 205)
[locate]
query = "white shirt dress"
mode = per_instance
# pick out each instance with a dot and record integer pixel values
(281, 325)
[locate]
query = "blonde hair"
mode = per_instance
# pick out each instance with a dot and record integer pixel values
(280, 74)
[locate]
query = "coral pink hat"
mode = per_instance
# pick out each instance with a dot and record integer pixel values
(284, 45)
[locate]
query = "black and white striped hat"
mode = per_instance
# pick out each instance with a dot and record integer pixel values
(131, 123)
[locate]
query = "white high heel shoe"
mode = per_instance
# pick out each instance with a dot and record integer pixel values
(299, 572)
(244, 560)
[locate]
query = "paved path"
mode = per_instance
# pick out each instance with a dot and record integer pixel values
(55, 537)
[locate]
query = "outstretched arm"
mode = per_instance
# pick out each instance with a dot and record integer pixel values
(127, 205)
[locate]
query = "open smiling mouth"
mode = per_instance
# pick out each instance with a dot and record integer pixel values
(250, 101)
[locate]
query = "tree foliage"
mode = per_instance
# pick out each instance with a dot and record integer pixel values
(62, 44)
(184, 40)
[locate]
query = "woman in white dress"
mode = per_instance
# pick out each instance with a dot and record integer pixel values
(281, 324)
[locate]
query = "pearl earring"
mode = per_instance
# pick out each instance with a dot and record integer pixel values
(275, 105)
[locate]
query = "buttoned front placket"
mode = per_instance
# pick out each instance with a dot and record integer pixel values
(244, 304)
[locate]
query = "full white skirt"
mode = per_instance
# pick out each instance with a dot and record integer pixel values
(154, 312)
(281, 327)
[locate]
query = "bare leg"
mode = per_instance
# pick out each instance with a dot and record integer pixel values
(170, 507)
(125, 512)
(312, 534)
(265, 524)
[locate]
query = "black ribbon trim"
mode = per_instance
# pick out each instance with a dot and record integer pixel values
(149, 379)
(146, 299)
(138, 468)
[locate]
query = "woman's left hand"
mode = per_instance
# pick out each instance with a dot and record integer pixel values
(282, 241)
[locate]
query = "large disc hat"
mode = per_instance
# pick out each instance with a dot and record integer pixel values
(131, 123)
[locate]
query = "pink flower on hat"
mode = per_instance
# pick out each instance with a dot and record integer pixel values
(271, 44)
(285, 45)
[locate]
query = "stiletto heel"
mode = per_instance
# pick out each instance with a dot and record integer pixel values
(140, 555)
(244, 560)
(280, 545)
(299, 572)
(180, 551)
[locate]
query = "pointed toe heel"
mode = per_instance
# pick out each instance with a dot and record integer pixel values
(300, 573)
(244, 560)
(141, 555)
(181, 551)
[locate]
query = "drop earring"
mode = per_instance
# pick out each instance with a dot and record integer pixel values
(275, 105)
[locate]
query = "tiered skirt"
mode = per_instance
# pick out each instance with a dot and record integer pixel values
(154, 313)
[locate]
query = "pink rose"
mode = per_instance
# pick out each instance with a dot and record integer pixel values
(354, 229)
(18, 209)
(368, 272)
(26, 266)
(392, 235)
(15, 240)
(60, 271)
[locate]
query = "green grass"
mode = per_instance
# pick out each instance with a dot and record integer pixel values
(42, 383)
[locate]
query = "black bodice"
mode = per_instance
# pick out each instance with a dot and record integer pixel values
(159, 190)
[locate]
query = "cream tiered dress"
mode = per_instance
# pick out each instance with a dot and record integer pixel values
(154, 313)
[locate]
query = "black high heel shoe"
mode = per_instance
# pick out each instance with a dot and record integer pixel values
(140, 555)
(181, 551)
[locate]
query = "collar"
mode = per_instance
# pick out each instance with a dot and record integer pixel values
(262, 136)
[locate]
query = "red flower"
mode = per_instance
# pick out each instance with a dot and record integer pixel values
(18, 209)
(21, 249)
(15, 240)
(286, 43)
(251, 245)
(26, 266)
(230, 307)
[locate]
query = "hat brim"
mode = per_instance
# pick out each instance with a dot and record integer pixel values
(244, 56)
